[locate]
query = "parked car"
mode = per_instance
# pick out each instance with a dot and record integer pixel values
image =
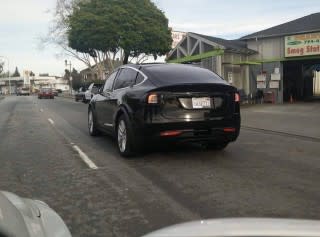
(54, 92)
(29, 218)
(79, 96)
(93, 89)
(165, 102)
(23, 91)
(45, 93)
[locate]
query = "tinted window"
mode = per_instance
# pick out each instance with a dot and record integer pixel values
(109, 82)
(140, 78)
(171, 74)
(126, 78)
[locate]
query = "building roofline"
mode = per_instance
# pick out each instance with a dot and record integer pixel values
(277, 35)
(286, 28)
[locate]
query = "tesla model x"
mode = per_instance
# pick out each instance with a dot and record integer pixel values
(139, 104)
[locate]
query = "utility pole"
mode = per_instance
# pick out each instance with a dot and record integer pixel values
(70, 77)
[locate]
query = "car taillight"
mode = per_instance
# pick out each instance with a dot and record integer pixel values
(229, 129)
(170, 133)
(236, 97)
(153, 99)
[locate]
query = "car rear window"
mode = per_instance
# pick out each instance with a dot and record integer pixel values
(139, 78)
(171, 74)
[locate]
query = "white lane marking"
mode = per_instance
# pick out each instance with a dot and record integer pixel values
(85, 158)
(51, 121)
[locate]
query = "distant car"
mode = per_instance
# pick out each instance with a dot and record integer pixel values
(93, 89)
(79, 96)
(59, 91)
(165, 102)
(45, 93)
(29, 218)
(23, 91)
(55, 92)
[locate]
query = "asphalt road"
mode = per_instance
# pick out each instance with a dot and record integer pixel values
(263, 174)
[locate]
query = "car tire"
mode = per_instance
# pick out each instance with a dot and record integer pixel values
(39, 97)
(126, 140)
(92, 124)
(217, 146)
(76, 99)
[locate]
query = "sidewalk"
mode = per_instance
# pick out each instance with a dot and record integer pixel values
(300, 119)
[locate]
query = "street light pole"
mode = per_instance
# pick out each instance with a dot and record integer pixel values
(70, 78)
(8, 72)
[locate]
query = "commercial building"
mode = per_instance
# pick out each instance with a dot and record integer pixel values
(33, 82)
(282, 61)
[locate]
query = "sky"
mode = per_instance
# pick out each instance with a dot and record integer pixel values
(24, 22)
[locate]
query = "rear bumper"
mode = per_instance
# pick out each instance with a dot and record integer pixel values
(226, 130)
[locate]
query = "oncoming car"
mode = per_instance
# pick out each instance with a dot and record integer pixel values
(45, 93)
(165, 102)
(23, 91)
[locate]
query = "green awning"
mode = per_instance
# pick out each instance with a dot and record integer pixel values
(246, 63)
(258, 62)
(198, 57)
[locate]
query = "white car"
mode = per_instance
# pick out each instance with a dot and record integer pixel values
(240, 227)
(93, 89)
(30, 218)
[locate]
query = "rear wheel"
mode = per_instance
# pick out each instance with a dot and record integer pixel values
(93, 130)
(126, 140)
(218, 146)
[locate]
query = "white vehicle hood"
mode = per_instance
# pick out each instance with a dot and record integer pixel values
(242, 227)
(23, 217)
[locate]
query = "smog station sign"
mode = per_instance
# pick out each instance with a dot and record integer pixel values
(302, 45)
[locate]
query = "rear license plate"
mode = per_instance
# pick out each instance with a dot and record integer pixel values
(201, 103)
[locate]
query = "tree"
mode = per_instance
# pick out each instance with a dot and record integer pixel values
(57, 33)
(1, 67)
(2, 72)
(16, 73)
(76, 79)
(104, 29)
(66, 75)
